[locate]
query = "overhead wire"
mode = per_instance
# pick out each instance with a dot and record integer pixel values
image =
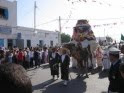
(47, 22)
(67, 20)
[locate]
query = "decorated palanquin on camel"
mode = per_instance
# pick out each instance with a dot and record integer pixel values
(82, 33)
(83, 44)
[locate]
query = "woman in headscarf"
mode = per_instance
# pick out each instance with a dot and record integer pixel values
(54, 63)
(65, 61)
(99, 56)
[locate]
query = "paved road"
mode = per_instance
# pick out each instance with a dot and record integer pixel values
(42, 82)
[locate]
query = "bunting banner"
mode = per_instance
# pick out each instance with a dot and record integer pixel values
(108, 24)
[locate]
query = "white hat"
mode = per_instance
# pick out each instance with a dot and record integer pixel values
(114, 50)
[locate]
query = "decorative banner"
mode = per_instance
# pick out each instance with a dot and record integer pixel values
(108, 24)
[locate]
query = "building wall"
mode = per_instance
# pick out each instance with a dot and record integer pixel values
(14, 31)
(28, 34)
(12, 13)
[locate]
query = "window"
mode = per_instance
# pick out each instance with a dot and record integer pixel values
(46, 34)
(4, 13)
(19, 35)
(10, 43)
(41, 43)
(1, 42)
(29, 43)
(51, 43)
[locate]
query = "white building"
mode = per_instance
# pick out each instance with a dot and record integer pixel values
(8, 13)
(12, 35)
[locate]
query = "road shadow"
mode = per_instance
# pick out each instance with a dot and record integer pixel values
(74, 70)
(96, 70)
(44, 66)
(42, 85)
(76, 85)
(103, 74)
(104, 92)
(30, 69)
(90, 71)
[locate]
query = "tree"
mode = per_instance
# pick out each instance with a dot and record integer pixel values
(65, 38)
(109, 39)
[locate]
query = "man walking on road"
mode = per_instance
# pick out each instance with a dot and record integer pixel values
(114, 73)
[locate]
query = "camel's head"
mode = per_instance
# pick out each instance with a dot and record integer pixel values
(70, 46)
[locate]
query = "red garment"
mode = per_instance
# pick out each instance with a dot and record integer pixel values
(20, 56)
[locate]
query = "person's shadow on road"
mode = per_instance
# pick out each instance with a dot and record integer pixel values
(103, 74)
(74, 86)
(42, 85)
(45, 66)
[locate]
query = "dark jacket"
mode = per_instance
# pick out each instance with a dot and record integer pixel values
(54, 60)
(66, 61)
(115, 78)
(54, 64)
(36, 55)
(65, 67)
(121, 85)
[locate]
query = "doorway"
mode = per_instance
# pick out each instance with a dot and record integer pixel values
(10, 43)
(41, 43)
(28, 43)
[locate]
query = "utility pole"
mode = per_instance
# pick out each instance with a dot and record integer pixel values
(60, 29)
(104, 32)
(34, 16)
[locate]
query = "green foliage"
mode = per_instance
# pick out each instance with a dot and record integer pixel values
(65, 38)
(109, 39)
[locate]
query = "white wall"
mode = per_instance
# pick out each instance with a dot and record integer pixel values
(28, 34)
(12, 11)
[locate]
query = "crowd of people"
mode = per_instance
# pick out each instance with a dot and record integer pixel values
(34, 57)
(107, 58)
(28, 57)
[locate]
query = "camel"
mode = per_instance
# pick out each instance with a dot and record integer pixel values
(80, 54)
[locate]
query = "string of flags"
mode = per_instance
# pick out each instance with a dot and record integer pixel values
(105, 24)
(100, 2)
(109, 24)
(85, 1)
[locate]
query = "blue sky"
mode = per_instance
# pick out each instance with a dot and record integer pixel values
(48, 12)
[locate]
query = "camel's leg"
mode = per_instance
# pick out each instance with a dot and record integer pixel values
(86, 67)
(79, 69)
(91, 60)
